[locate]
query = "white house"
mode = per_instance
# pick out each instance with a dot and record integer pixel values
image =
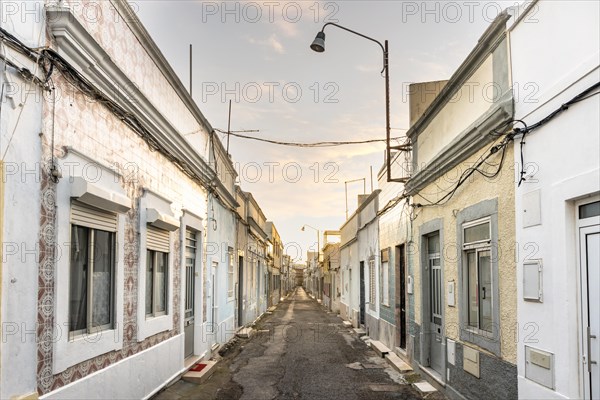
(555, 50)
(108, 202)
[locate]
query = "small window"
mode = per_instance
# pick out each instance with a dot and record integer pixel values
(230, 277)
(92, 269)
(385, 277)
(589, 210)
(372, 296)
(156, 283)
(157, 271)
(478, 258)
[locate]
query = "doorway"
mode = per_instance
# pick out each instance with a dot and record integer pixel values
(190, 291)
(589, 262)
(400, 296)
(436, 303)
(362, 293)
(240, 288)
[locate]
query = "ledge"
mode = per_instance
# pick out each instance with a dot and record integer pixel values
(95, 196)
(160, 220)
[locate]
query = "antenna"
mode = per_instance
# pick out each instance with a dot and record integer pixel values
(191, 69)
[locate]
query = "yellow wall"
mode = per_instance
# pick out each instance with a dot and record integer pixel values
(476, 189)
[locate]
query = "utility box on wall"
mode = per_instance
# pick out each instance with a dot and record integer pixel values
(539, 366)
(532, 280)
(471, 361)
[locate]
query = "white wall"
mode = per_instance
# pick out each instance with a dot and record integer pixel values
(134, 377)
(555, 49)
(20, 124)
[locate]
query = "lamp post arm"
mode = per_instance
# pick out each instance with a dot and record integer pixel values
(385, 53)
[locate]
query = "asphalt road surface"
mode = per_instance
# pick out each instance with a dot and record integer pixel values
(300, 352)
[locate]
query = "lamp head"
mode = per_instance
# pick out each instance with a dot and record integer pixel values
(318, 44)
(302, 229)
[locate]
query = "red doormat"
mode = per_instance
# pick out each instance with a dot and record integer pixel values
(198, 367)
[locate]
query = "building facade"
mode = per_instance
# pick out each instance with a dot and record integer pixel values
(557, 203)
(463, 227)
(122, 236)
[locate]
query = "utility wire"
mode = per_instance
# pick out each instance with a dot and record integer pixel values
(502, 146)
(298, 144)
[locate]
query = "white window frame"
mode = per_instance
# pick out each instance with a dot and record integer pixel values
(230, 274)
(90, 330)
(156, 208)
(478, 246)
(385, 283)
(107, 194)
(372, 285)
(155, 293)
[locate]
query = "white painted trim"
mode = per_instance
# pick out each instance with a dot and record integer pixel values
(96, 196)
(190, 220)
(66, 352)
(160, 220)
(151, 326)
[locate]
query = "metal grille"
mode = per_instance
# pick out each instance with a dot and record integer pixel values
(436, 288)
(190, 262)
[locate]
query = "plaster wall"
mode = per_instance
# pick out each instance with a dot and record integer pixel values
(563, 169)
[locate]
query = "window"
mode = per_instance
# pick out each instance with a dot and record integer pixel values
(157, 271)
(190, 268)
(435, 278)
(92, 269)
(478, 259)
(372, 297)
(230, 277)
(385, 277)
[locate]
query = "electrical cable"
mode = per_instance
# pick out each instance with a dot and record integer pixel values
(508, 137)
(315, 144)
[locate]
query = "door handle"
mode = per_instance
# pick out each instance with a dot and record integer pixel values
(483, 298)
(589, 348)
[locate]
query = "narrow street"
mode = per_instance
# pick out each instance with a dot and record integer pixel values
(300, 352)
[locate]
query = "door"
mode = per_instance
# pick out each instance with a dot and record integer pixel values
(212, 301)
(362, 292)
(190, 293)
(240, 290)
(435, 303)
(400, 311)
(589, 258)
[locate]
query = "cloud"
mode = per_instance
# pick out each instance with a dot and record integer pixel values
(272, 42)
(288, 29)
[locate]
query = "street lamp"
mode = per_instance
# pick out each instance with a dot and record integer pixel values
(318, 45)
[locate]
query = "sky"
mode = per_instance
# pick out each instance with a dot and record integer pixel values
(256, 54)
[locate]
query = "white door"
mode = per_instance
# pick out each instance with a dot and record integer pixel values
(212, 291)
(589, 257)
(190, 291)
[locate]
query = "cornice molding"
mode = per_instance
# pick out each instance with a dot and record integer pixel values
(77, 45)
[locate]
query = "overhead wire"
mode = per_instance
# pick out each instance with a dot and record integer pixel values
(307, 144)
(502, 146)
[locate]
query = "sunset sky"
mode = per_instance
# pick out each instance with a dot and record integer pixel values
(257, 55)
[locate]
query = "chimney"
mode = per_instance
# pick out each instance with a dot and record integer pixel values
(362, 198)
(421, 95)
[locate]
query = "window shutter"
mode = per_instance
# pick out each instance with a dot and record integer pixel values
(90, 217)
(157, 239)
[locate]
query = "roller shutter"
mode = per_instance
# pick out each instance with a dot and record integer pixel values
(90, 217)
(157, 239)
